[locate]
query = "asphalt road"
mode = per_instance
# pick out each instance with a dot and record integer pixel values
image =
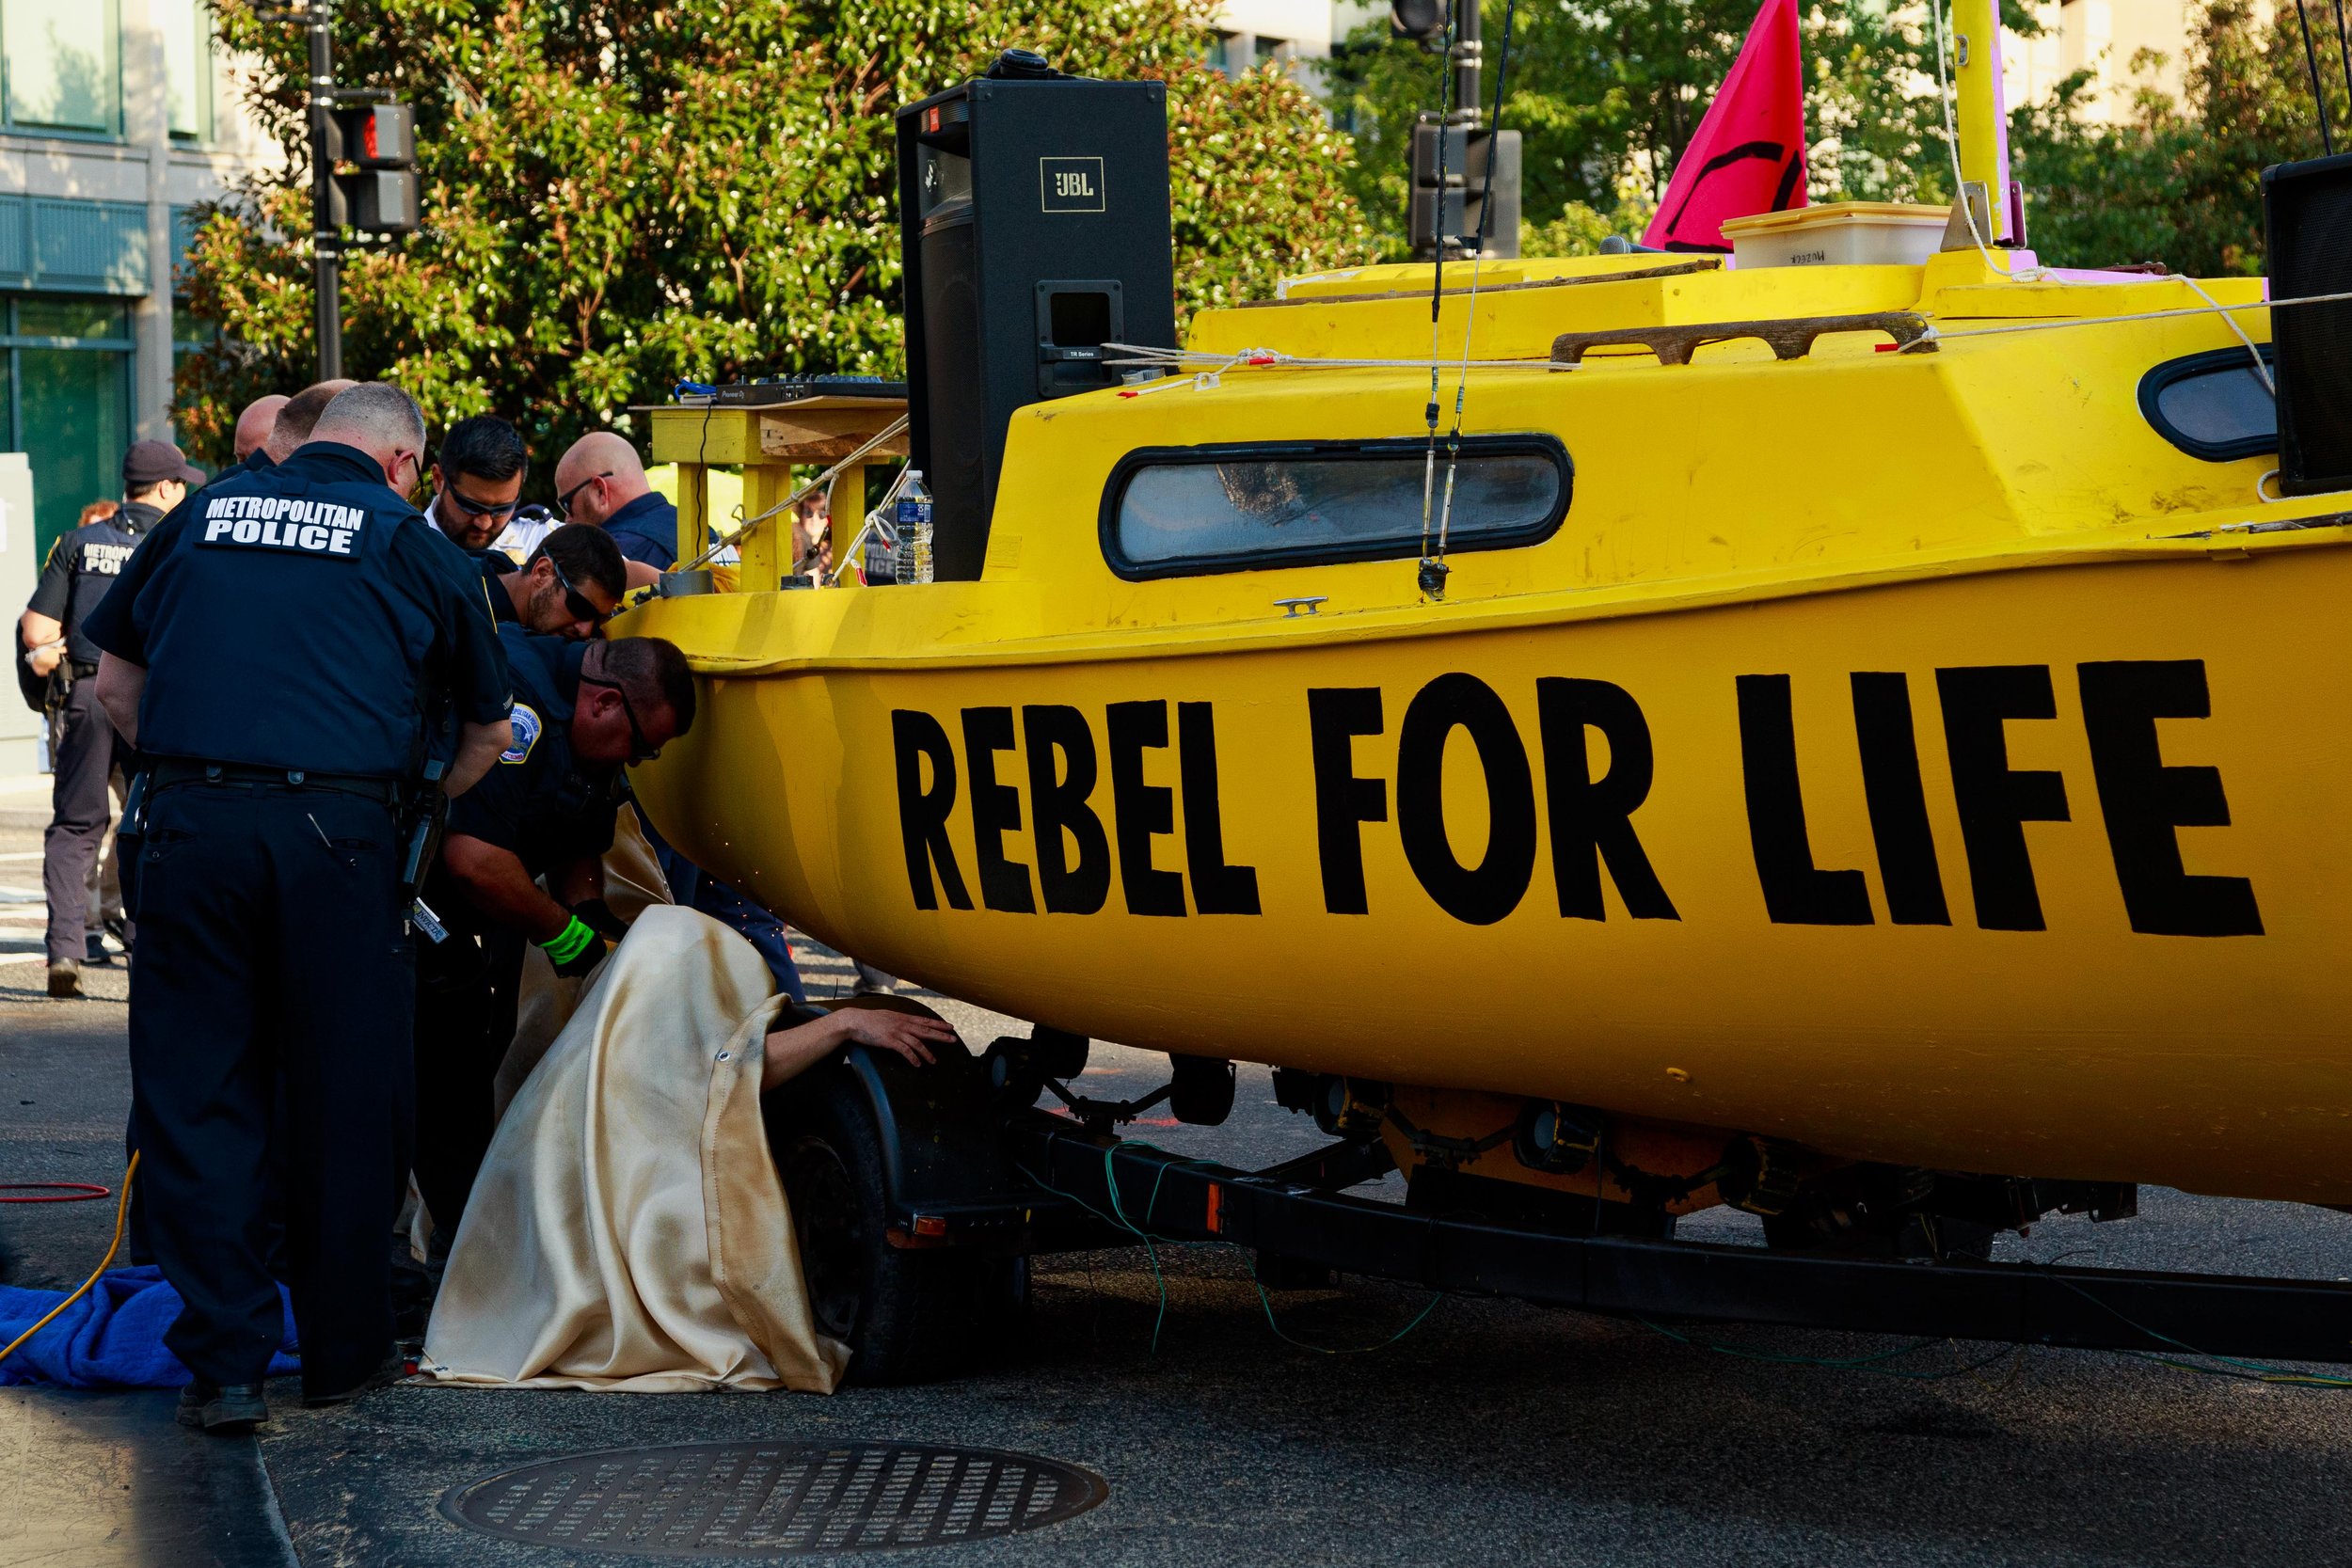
(1492, 1432)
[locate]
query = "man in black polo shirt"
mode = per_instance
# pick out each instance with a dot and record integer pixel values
(80, 568)
(544, 813)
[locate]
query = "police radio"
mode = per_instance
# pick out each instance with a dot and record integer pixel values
(425, 815)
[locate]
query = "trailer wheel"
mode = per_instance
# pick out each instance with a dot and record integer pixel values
(909, 1314)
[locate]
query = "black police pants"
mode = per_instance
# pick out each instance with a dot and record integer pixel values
(273, 982)
(84, 753)
(468, 994)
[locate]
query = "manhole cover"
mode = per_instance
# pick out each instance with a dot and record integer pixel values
(773, 1499)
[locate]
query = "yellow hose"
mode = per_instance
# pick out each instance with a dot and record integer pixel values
(122, 1211)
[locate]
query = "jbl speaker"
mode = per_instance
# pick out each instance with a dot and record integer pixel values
(1034, 215)
(2306, 219)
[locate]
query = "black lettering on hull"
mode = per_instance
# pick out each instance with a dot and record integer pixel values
(995, 812)
(1344, 802)
(1217, 888)
(1058, 797)
(1592, 819)
(1483, 894)
(2144, 799)
(923, 814)
(1897, 801)
(1796, 893)
(1996, 801)
(1144, 811)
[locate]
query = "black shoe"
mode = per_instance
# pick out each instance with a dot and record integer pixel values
(222, 1412)
(94, 952)
(119, 929)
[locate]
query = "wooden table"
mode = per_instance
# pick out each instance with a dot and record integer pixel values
(767, 442)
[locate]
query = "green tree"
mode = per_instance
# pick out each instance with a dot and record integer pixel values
(2177, 180)
(623, 194)
(1608, 94)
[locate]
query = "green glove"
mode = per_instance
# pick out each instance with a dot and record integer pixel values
(575, 949)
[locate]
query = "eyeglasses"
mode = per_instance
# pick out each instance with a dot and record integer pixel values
(639, 751)
(578, 602)
(563, 502)
(479, 508)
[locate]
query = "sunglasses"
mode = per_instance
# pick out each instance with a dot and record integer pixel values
(578, 602)
(639, 751)
(479, 508)
(563, 502)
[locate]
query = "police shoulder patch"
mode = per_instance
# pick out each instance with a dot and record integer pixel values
(526, 725)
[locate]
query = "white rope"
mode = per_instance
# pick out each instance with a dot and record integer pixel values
(2261, 371)
(2066, 323)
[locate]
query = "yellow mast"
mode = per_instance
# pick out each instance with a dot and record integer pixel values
(1983, 142)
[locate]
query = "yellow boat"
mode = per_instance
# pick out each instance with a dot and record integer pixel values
(1870, 715)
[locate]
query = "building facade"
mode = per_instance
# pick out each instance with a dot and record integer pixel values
(2126, 45)
(118, 119)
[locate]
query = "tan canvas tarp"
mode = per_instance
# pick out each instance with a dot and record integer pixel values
(628, 1231)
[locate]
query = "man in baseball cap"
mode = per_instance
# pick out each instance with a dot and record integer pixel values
(80, 568)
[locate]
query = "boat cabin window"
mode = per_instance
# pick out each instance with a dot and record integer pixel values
(2212, 405)
(1174, 511)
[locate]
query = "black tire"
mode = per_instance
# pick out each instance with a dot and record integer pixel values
(910, 1315)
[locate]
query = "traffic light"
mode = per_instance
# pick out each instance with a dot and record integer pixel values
(1482, 172)
(381, 138)
(1423, 21)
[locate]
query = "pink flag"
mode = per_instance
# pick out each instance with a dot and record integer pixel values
(1748, 156)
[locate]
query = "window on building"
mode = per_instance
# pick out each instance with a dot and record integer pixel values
(62, 69)
(187, 28)
(68, 400)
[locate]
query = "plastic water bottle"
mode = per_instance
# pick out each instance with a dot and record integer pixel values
(913, 522)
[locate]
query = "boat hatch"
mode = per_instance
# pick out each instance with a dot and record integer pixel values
(1180, 511)
(2212, 405)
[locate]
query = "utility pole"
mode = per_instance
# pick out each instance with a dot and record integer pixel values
(379, 136)
(326, 260)
(1479, 167)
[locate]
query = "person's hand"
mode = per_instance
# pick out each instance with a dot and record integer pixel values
(42, 661)
(600, 918)
(907, 1035)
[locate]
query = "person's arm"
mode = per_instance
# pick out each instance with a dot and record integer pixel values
(120, 684)
(792, 1051)
(44, 641)
(497, 885)
(478, 749)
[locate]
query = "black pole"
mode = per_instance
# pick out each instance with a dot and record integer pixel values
(1466, 62)
(2319, 88)
(327, 259)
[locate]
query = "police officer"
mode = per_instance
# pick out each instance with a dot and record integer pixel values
(583, 712)
(478, 481)
(273, 956)
(568, 588)
(80, 568)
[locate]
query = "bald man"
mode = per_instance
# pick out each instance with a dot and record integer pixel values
(299, 416)
(253, 427)
(602, 480)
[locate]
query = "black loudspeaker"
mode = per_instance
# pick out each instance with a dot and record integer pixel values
(1034, 218)
(2307, 220)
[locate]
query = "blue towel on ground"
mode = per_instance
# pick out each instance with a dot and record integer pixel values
(111, 1339)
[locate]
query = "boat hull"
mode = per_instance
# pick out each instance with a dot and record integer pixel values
(2033, 872)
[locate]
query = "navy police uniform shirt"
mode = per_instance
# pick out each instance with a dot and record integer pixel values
(82, 566)
(538, 802)
(497, 563)
(646, 531)
(303, 617)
